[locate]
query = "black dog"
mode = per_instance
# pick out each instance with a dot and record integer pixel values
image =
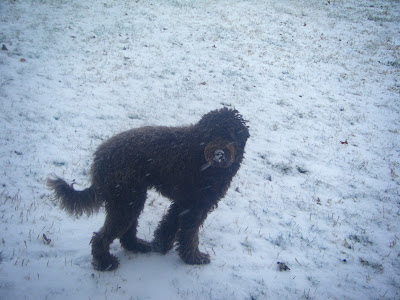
(192, 166)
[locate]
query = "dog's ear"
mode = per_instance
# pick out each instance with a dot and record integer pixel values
(219, 153)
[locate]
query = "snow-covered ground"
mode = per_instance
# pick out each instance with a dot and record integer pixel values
(319, 188)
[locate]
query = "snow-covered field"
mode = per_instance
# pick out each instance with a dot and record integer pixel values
(319, 188)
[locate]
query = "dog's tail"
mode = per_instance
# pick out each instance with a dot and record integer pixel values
(72, 201)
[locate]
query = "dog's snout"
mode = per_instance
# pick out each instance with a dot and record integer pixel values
(219, 156)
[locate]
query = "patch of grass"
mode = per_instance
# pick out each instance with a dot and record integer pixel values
(362, 239)
(376, 266)
(134, 117)
(58, 163)
(394, 64)
(281, 240)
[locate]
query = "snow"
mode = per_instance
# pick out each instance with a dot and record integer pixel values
(319, 186)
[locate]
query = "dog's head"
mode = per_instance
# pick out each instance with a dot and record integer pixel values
(225, 134)
(219, 153)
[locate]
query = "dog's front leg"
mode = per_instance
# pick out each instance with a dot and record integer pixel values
(188, 237)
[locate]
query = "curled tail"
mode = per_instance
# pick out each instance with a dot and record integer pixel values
(72, 201)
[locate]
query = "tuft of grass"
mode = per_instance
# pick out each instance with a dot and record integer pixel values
(376, 266)
(362, 239)
(58, 163)
(394, 64)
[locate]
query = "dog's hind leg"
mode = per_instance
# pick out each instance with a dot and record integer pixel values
(121, 217)
(165, 234)
(132, 243)
(103, 260)
(129, 240)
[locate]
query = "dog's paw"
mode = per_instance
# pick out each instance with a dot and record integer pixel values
(158, 246)
(197, 258)
(137, 245)
(143, 246)
(106, 263)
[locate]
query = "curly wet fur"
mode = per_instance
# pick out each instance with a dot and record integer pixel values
(74, 202)
(192, 166)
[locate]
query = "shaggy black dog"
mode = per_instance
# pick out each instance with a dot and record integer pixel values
(192, 166)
